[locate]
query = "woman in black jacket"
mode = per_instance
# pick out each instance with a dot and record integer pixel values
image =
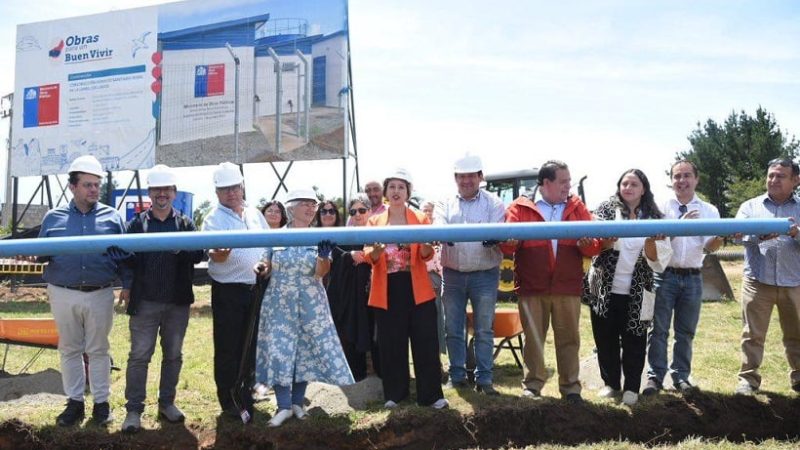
(348, 292)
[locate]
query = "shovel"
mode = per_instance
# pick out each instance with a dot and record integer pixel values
(240, 392)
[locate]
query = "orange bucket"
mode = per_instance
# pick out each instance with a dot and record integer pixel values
(506, 322)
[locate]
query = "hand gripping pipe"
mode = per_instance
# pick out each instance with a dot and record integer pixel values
(390, 234)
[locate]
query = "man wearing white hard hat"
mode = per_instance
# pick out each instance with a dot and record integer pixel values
(234, 286)
(158, 300)
(471, 272)
(80, 291)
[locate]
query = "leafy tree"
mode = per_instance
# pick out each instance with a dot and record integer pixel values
(200, 213)
(732, 157)
(744, 190)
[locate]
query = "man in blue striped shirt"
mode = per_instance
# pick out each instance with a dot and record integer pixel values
(81, 294)
(771, 276)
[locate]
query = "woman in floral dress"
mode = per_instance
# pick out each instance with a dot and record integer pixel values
(297, 340)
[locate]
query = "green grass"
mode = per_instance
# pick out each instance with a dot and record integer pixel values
(716, 363)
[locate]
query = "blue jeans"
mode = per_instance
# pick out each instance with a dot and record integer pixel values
(152, 319)
(481, 289)
(681, 294)
(287, 396)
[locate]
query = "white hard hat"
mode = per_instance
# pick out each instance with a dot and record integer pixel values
(400, 174)
(87, 164)
(468, 164)
(161, 176)
(227, 174)
(301, 194)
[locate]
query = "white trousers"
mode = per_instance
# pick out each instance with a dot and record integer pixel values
(84, 321)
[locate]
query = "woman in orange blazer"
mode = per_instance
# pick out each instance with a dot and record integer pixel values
(403, 299)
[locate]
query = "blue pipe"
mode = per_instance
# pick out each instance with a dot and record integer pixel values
(391, 234)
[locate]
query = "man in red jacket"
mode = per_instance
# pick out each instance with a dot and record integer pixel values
(549, 277)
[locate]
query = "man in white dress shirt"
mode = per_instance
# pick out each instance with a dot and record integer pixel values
(680, 286)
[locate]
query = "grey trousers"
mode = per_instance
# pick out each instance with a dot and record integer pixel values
(84, 320)
(152, 319)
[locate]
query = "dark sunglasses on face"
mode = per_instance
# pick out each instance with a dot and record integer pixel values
(328, 211)
(358, 210)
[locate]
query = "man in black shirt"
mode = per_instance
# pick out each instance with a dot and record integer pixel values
(158, 299)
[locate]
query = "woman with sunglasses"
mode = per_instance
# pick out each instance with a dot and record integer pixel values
(327, 215)
(297, 340)
(348, 292)
(275, 213)
(403, 299)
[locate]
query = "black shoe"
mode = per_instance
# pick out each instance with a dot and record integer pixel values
(796, 388)
(101, 414)
(651, 388)
(574, 398)
(487, 389)
(73, 414)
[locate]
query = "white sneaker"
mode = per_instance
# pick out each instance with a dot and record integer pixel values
(299, 412)
(260, 392)
(440, 404)
(389, 404)
(608, 392)
(132, 423)
(630, 398)
(745, 388)
(280, 417)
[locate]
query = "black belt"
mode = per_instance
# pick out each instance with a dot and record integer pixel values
(85, 287)
(682, 271)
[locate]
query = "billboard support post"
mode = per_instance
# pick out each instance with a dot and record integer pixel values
(278, 98)
(8, 114)
(235, 102)
(306, 97)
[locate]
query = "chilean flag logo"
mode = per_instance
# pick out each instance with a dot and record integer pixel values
(40, 106)
(209, 80)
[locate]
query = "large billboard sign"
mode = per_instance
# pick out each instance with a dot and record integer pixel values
(82, 88)
(158, 85)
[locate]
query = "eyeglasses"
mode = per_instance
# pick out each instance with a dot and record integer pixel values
(227, 189)
(328, 211)
(358, 210)
(682, 209)
(161, 189)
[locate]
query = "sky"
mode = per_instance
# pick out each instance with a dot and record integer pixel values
(604, 85)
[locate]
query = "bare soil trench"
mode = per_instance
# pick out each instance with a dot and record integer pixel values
(667, 419)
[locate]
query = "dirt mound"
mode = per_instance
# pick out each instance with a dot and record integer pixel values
(14, 387)
(667, 419)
